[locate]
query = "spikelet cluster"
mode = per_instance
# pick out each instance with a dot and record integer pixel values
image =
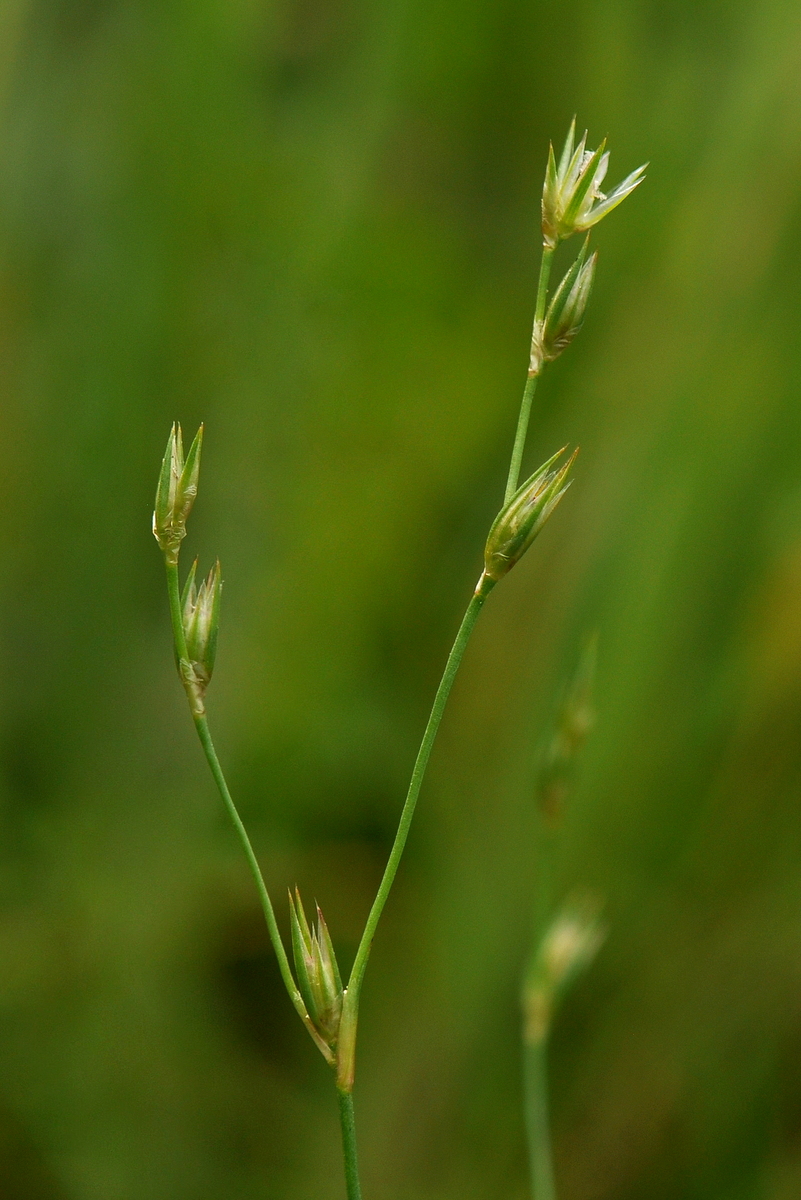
(572, 200)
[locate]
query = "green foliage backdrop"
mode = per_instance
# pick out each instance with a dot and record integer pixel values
(313, 224)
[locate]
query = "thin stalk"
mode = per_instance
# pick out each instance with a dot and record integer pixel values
(537, 1120)
(204, 734)
(349, 1145)
(542, 285)
(353, 989)
(520, 437)
(202, 727)
(174, 593)
(531, 382)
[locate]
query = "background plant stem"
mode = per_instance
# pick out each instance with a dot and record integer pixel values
(537, 1120)
(535, 1051)
(544, 899)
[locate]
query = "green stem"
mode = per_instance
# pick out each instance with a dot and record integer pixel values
(204, 734)
(202, 727)
(542, 286)
(537, 1119)
(520, 438)
(351, 1002)
(531, 382)
(174, 593)
(349, 1145)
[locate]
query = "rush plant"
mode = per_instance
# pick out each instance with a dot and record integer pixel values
(567, 935)
(328, 1007)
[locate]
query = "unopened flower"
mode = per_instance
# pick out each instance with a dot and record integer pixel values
(176, 492)
(519, 522)
(565, 313)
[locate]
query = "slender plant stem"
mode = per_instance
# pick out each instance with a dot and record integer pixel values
(520, 438)
(174, 593)
(542, 285)
(537, 1120)
(353, 990)
(202, 727)
(204, 734)
(443, 691)
(531, 382)
(349, 1145)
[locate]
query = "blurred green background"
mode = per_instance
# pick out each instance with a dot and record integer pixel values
(313, 224)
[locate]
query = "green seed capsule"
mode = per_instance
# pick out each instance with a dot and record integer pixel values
(519, 522)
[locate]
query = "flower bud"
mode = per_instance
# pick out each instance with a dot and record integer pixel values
(519, 522)
(200, 612)
(572, 201)
(565, 313)
(317, 972)
(176, 492)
